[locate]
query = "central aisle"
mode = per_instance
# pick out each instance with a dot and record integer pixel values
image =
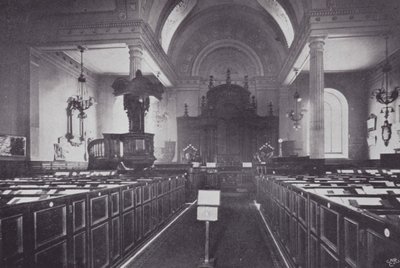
(236, 240)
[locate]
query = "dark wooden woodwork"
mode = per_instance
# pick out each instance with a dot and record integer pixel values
(131, 150)
(317, 231)
(228, 131)
(13, 168)
(97, 228)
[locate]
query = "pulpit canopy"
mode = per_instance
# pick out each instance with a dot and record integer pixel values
(141, 86)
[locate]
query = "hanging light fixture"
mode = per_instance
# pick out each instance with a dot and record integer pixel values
(296, 115)
(385, 96)
(80, 102)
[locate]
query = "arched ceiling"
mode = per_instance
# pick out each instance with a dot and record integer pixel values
(254, 32)
(174, 19)
(219, 60)
(275, 9)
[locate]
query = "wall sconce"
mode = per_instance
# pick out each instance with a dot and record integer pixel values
(296, 115)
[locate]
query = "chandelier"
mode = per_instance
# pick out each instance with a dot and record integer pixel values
(384, 95)
(79, 102)
(296, 115)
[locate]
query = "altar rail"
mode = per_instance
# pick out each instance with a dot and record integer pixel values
(333, 221)
(80, 221)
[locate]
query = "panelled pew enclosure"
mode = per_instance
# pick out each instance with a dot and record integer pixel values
(81, 220)
(336, 221)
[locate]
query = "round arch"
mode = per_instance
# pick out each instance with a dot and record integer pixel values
(336, 124)
(248, 51)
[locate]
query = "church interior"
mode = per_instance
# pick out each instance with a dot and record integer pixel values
(200, 133)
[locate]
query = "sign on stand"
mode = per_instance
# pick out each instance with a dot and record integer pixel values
(208, 202)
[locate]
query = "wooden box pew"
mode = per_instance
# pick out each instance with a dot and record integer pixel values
(89, 225)
(337, 223)
(319, 230)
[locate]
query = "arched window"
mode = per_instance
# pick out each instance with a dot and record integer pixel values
(336, 116)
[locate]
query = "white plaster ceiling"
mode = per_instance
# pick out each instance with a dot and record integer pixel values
(114, 60)
(340, 55)
(354, 53)
(104, 61)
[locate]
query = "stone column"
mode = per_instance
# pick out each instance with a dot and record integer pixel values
(135, 58)
(285, 124)
(135, 106)
(316, 93)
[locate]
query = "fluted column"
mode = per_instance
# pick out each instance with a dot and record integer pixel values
(317, 139)
(285, 123)
(135, 58)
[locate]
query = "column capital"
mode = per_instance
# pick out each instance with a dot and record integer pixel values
(135, 45)
(135, 56)
(317, 42)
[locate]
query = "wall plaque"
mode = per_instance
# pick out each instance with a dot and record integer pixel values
(12, 145)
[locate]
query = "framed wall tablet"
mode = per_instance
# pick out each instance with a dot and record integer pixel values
(12, 145)
(371, 122)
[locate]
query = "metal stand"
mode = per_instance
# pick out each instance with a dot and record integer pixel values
(207, 263)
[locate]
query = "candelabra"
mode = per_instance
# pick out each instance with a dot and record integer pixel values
(385, 96)
(80, 102)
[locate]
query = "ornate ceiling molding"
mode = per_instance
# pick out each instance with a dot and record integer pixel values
(100, 30)
(268, 51)
(295, 52)
(227, 43)
(67, 64)
(158, 54)
(275, 9)
(174, 19)
(226, 15)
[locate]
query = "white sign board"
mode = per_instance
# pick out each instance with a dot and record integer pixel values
(207, 213)
(195, 164)
(209, 198)
(211, 164)
(247, 164)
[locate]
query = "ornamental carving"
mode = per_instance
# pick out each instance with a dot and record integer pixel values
(228, 130)
(187, 55)
(351, 3)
